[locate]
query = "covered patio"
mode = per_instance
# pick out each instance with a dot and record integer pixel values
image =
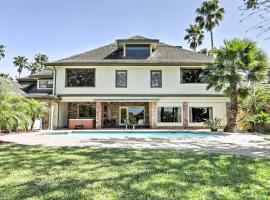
(111, 114)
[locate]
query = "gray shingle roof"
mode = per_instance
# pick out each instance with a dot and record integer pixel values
(38, 75)
(109, 54)
(43, 74)
(10, 86)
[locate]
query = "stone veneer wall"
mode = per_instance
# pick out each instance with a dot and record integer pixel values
(73, 109)
(185, 115)
(113, 109)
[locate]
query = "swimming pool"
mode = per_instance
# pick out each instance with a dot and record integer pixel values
(134, 134)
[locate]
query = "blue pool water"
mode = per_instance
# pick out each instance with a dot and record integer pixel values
(135, 134)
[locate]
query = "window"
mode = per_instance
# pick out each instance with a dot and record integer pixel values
(200, 114)
(191, 75)
(45, 84)
(156, 79)
(80, 77)
(169, 114)
(132, 115)
(137, 51)
(86, 112)
(121, 78)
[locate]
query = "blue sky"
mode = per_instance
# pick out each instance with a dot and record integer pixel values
(60, 28)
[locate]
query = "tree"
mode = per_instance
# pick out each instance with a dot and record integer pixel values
(255, 105)
(237, 63)
(195, 36)
(209, 16)
(7, 76)
(7, 116)
(38, 63)
(2, 51)
(205, 51)
(41, 60)
(37, 110)
(20, 62)
(33, 67)
(259, 9)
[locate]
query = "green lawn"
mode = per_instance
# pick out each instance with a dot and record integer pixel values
(34, 172)
(267, 137)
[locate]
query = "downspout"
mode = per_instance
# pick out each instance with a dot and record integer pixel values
(54, 94)
(54, 81)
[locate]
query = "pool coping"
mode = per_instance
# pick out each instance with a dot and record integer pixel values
(232, 143)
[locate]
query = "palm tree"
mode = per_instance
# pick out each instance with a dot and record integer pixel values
(209, 16)
(195, 36)
(7, 76)
(2, 51)
(236, 64)
(37, 110)
(20, 62)
(41, 60)
(33, 67)
(7, 117)
(205, 51)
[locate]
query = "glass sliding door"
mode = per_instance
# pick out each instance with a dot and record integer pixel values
(132, 115)
(136, 114)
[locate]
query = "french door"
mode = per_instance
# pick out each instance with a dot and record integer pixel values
(131, 115)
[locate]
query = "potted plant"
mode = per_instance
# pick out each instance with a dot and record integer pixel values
(213, 124)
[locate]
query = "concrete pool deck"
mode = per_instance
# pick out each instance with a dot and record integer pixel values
(231, 143)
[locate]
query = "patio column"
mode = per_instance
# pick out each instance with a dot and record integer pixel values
(98, 115)
(153, 114)
(185, 114)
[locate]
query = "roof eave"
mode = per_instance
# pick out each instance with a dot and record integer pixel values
(198, 63)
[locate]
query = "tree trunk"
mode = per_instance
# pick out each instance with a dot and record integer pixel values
(232, 113)
(33, 123)
(212, 41)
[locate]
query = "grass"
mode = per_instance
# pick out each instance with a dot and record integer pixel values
(35, 172)
(267, 137)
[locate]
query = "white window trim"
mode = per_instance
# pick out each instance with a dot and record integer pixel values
(44, 88)
(170, 123)
(198, 123)
(126, 107)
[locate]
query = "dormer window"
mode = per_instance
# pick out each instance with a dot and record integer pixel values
(138, 51)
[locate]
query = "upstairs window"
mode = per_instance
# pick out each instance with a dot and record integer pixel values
(45, 84)
(80, 77)
(121, 78)
(156, 79)
(191, 75)
(137, 51)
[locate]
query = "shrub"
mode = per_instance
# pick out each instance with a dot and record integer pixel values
(259, 120)
(213, 124)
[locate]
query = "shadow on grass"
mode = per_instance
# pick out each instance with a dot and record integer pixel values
(88, 173)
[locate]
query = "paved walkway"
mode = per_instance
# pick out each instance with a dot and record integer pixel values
(241, 144)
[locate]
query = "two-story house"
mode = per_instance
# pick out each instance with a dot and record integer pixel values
(136, 81)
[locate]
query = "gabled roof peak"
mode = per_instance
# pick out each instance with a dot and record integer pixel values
(137, 38)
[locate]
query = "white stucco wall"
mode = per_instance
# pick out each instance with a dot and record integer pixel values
(138, 82)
